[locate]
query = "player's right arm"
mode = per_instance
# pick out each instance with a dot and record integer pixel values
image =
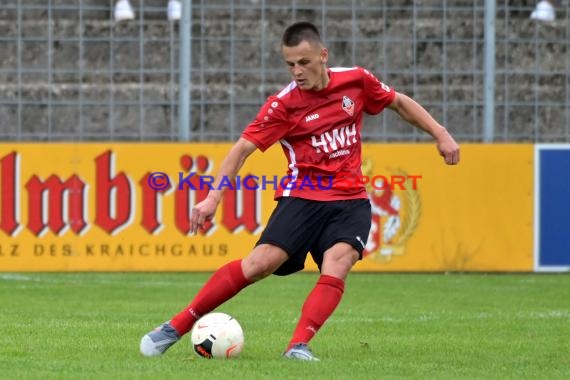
(230, 166)
(270, 125)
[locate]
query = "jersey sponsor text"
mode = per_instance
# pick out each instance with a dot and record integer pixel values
(336, 139)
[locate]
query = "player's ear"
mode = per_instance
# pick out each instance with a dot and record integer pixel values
(324, 55)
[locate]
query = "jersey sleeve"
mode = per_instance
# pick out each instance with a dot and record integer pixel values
(269, 126)
(377, 95)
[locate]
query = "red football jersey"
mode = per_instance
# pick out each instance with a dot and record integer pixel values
(319, 132)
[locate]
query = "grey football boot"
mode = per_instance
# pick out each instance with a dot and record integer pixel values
(159, 340)
(300, 351)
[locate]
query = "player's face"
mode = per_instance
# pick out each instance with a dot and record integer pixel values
(307, 65)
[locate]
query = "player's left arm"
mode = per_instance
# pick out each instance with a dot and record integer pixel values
(415, 114)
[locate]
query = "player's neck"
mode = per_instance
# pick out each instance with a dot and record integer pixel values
(324, 80)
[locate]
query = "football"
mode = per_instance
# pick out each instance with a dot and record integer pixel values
(217, 336)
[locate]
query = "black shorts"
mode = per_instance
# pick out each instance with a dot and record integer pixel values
(299, 226)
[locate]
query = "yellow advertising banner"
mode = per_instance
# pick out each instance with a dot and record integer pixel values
(126, 207)
(476, 216)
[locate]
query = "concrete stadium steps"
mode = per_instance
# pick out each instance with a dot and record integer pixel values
(60, 71)
(118, 47)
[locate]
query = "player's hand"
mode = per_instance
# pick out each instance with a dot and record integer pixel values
(447, 147)
(201, 213)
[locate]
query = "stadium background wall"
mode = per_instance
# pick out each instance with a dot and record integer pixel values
(89, 207)
(69, 72)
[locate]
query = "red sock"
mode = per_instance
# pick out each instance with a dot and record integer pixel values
(225, 283)
(319, 305)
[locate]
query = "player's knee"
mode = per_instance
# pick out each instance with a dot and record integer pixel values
(256, 268)
(338, 262)
(344, 263)
(262, 262)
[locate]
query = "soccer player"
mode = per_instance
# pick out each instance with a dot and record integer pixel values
(317, 120)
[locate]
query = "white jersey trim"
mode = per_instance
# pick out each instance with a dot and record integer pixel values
(287, 89)
(341, 69)
(292, 166)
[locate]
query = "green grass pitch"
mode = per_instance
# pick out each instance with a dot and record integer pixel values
(388, 326)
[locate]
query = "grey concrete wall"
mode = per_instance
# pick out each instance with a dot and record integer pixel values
(114, 67)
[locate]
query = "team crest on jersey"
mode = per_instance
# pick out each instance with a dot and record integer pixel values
(348, 105)
(395, 217)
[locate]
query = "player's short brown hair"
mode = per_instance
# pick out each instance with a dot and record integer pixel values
(299, 32)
